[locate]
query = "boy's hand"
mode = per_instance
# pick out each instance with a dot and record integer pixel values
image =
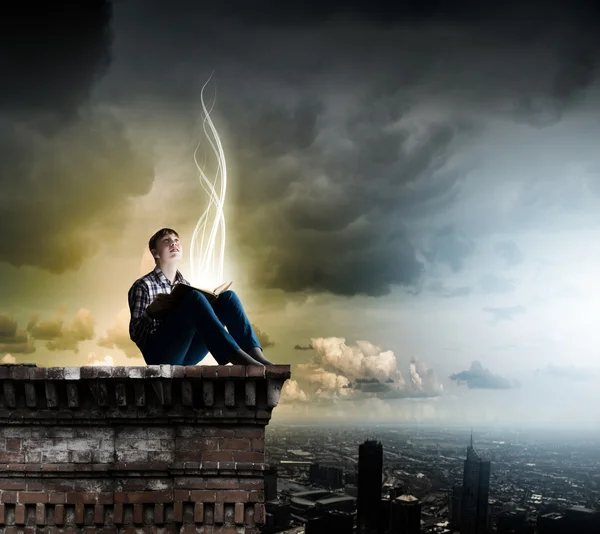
(159, 305)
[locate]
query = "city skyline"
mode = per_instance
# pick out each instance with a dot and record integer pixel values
(413, 197)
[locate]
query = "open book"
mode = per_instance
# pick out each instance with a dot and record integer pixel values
(181, 289)
(177, 294)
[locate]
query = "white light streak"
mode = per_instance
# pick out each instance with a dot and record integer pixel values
(207, 248)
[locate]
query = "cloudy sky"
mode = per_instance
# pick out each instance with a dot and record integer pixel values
(412, 207)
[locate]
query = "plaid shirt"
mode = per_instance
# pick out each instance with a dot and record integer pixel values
(143, 291)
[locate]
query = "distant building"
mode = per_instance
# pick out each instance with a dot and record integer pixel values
(406, 515)
(370, 470)
(512, 523)
(277, 516)
(329, 476)
(334, 521)
(474, 515)
(576, 519)
(313, 504)
(271, 483)
(454, 506)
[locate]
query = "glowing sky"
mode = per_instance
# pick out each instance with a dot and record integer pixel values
(419, 186)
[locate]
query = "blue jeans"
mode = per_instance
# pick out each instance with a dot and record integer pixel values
(196, 327)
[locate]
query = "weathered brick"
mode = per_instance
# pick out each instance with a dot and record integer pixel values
(231, 496)
(181, 495)
(196, 444)
(203, 496)
(80, 457)
(149, 496)
(177, 511)
(188, 456)
(159, 513)
(8, 496)
(190, 482)
(223, 461)
(40, 514)
(219, 513)
(13, 484)
(222, 483)
(118, 512)
(259, 513)
(209, 371)
(13, 444)
(252, 483)
(138, 513)
(236, 444)
(218, 456)
(255, 371)
(250, 432)
(29, 497)
(59, 514)
(11, 457)
(79, 513)
(20, 514)
(244, 456)
(277, 371)
(239, 513)
(199, 512)
(80, 498)
(57, 497)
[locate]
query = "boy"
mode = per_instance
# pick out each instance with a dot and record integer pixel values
(194, 326)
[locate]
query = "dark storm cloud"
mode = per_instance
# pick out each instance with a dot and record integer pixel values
(477, 377)
(344, 126)
(341, 209)
(66, 170)
(384, 13)
(506, 313)
(13, 339)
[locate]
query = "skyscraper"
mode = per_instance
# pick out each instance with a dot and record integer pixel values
(406, 515)
(370, 470)
(475, 493)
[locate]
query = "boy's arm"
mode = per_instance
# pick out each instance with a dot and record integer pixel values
(139, 300)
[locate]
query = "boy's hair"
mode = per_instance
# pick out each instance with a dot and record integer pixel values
(158, 235)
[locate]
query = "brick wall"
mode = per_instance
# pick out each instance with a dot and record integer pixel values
(156, 449)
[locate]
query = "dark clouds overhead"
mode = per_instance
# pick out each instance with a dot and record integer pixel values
(67, 169)
(344, 124)
(13, 339)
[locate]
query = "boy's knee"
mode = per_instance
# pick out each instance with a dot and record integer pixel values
(228, 295)
(195, 296)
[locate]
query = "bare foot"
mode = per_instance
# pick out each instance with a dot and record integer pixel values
(239, 357)
(257, 354)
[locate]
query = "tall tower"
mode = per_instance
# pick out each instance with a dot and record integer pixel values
(370, 471)
(475, 493)
(406, 515)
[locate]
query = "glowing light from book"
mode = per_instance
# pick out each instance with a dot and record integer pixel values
(207, 248)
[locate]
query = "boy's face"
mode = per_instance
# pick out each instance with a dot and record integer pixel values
(168, 249)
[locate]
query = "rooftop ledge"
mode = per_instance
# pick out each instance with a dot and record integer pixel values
(152, 449)
(227, 392)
